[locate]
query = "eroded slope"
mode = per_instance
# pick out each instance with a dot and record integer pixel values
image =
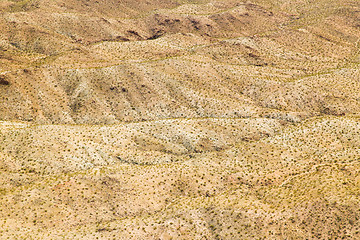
(179, 119)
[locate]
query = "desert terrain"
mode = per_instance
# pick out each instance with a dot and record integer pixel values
(193, 119)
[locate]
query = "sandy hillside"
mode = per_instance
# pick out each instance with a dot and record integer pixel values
(166, 119)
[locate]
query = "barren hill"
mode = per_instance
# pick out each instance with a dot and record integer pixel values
(179, 119)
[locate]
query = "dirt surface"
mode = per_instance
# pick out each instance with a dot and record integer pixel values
(164, 119)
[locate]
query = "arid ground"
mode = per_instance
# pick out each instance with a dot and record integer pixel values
(188, 119)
